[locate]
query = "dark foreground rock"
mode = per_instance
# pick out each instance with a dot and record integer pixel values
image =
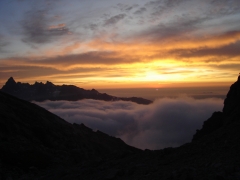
(49, 91)
(36, 144)
(232, 100)
(32, 139)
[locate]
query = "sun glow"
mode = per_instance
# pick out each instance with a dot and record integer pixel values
(153, 76)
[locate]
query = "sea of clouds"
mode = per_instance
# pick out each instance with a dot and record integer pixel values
(164, 123)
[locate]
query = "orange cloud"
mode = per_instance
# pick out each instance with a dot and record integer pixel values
(59, 26)
(137, 63)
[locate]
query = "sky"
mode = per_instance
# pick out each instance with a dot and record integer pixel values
(119, 44)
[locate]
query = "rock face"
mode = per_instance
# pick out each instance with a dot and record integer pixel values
(213, 123)
(49, 91)
(233, 98)
(218, 119)
(35, 144)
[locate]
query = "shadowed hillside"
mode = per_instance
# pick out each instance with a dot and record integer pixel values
(33, 138)
(37, 144)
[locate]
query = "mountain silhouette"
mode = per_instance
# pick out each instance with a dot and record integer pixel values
(49, 91)
(32, 137)
(36, 144)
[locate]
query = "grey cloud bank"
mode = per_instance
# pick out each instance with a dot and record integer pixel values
(165, 123)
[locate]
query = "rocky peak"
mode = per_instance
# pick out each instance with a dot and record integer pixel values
(10, 81)
(233, 97)
(94, 90)
(10, 85)
(48, 83)
(37, 83)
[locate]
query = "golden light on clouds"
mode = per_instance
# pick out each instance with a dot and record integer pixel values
(127, 44)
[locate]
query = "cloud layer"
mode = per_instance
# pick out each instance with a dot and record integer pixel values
(165, 123)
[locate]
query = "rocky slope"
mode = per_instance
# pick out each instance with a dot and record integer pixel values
(32, 138)
(49, 91)
(36, 144)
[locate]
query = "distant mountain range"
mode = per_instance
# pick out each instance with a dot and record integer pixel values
(49, 91)
(36, 144)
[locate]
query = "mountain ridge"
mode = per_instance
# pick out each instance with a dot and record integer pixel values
(32, 137)
(48, 91)
(36, 144)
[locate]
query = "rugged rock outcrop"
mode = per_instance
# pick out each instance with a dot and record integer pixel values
(232, 100)
(49, 91)
(213, 123)
(219, 119)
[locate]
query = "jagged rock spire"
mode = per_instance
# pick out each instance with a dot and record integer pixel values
(233, 97)
(11, 81)
(9, 85)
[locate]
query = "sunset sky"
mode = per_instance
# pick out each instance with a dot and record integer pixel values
(119, 44)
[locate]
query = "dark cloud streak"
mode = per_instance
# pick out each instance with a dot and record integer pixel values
(3, 44)
(37, 28)
(174, 30)
(231, 50)
(140, 11)
(88, 58)
(115, 19)
(67, 61)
